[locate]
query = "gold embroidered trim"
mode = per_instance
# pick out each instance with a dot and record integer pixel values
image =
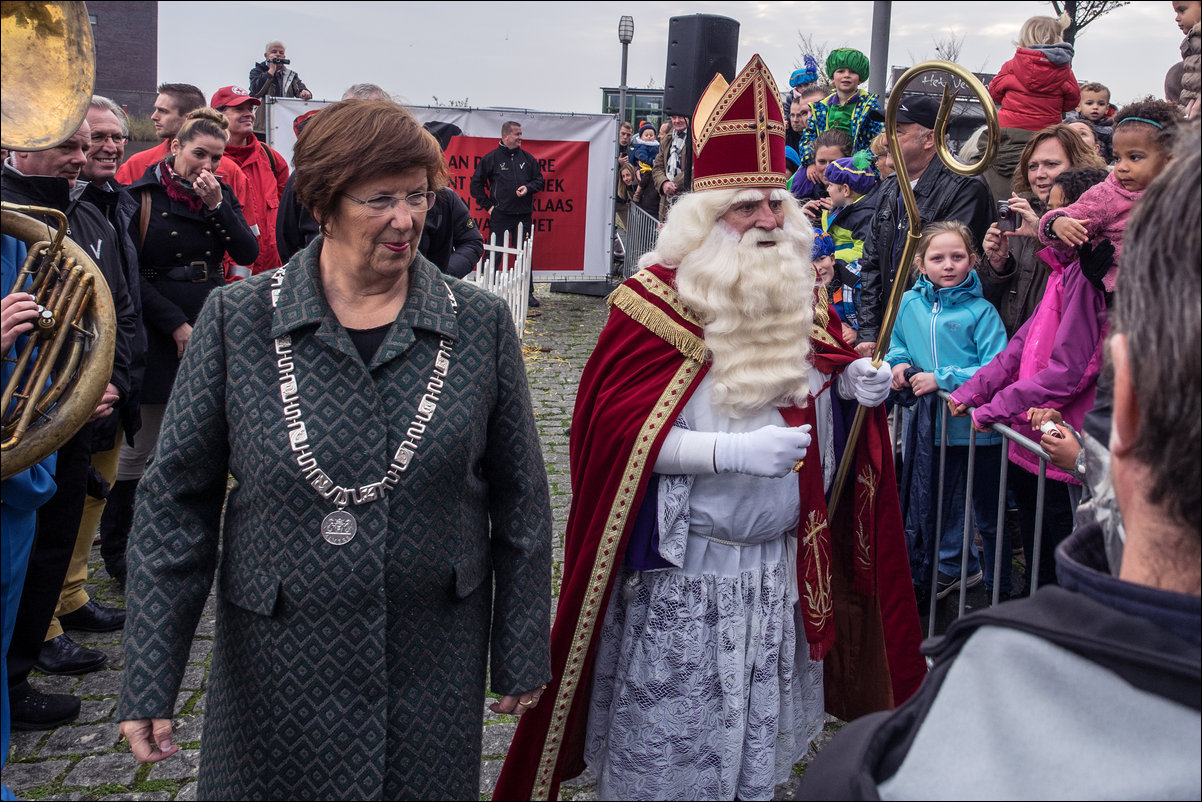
(822, 311)
(819, 601)
(658, 323)
(824, 336)
(666, 293)
(736, 180)
(868, 481)
(603, 567)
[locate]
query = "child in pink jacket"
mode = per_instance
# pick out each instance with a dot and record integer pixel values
(1143, 134)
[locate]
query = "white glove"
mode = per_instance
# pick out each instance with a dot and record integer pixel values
(868, 385)
(769, 451)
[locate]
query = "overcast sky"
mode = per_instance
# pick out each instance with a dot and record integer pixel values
(556, 56)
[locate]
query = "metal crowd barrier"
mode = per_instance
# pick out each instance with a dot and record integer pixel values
(642, 229)
(1009, 436)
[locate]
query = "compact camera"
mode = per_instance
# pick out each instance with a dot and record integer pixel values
(1007, 219)
(278, 60)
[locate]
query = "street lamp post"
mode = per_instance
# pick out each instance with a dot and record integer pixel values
(625, 36)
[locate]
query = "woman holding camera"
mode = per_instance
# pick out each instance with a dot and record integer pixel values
(1013, 274)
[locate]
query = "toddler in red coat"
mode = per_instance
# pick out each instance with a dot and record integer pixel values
(1033, 90)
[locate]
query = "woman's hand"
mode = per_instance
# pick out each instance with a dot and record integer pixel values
(149, 738)
(900, 382)
(924, 383)
(181, 337)
(18, 311)
(816, 174)
(1070, 230)
(518, 704)
(208, 189)
(996, 247)
(1029, 220)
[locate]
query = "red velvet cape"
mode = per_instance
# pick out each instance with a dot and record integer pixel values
(648, 361)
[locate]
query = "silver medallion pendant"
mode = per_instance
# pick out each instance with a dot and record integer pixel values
(339, 527)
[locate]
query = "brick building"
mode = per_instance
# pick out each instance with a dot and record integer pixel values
(127, 45)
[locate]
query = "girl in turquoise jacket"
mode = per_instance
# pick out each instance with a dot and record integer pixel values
(945, 332)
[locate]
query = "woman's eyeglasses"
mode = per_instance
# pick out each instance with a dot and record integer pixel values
(417, 203)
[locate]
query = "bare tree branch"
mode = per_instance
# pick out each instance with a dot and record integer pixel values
(1081, 13)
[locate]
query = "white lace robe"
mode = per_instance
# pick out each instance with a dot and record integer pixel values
(703, 687)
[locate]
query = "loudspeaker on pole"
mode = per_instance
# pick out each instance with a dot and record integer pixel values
(699, 46)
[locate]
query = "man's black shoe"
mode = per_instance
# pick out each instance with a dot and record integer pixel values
(93, 617)
(62, 655)
(34, 710)
(534, 303)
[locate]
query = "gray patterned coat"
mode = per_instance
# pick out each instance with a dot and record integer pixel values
(354, 671)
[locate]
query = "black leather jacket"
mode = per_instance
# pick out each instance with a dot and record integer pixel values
(941, 195)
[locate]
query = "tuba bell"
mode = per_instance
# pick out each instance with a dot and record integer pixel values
(62, 368)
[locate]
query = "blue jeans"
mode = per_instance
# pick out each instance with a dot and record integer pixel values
(986, 480)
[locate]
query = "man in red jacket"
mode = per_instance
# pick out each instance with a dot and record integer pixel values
(265, 168)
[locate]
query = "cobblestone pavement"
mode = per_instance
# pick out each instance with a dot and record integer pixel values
(85, 760)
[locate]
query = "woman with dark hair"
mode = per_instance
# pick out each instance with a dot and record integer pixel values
(386, 542)
(1013, 276)
(187, 220)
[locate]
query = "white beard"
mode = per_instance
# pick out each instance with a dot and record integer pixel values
(756, 305)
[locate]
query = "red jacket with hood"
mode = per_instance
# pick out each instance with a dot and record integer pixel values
(1035, 88)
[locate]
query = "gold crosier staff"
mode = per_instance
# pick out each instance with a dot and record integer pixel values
(915, 232)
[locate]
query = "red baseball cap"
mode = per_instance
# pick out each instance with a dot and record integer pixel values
(232, 96)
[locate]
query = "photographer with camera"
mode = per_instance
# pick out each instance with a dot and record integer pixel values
(1013, 274)
(273, 76)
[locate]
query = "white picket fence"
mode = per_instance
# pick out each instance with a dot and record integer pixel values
(505, 271)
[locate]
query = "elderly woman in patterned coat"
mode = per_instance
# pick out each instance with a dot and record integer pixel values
(386, 539)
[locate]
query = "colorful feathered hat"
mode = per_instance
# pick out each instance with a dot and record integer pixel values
(739, 132)
(824, 245)
(807, 74)
(855, 172)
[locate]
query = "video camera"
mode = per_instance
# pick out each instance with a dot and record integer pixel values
(278, 60)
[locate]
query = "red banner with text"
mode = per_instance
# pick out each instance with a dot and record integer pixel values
(560, 210)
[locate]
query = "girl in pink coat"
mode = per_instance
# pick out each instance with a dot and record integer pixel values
(1143, 134)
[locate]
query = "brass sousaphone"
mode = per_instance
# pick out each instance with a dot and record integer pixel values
(65, 363)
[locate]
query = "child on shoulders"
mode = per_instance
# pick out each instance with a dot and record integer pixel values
(1034, 89)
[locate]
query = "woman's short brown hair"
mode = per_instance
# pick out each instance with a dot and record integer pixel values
(355, 140)
(1079, 154)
